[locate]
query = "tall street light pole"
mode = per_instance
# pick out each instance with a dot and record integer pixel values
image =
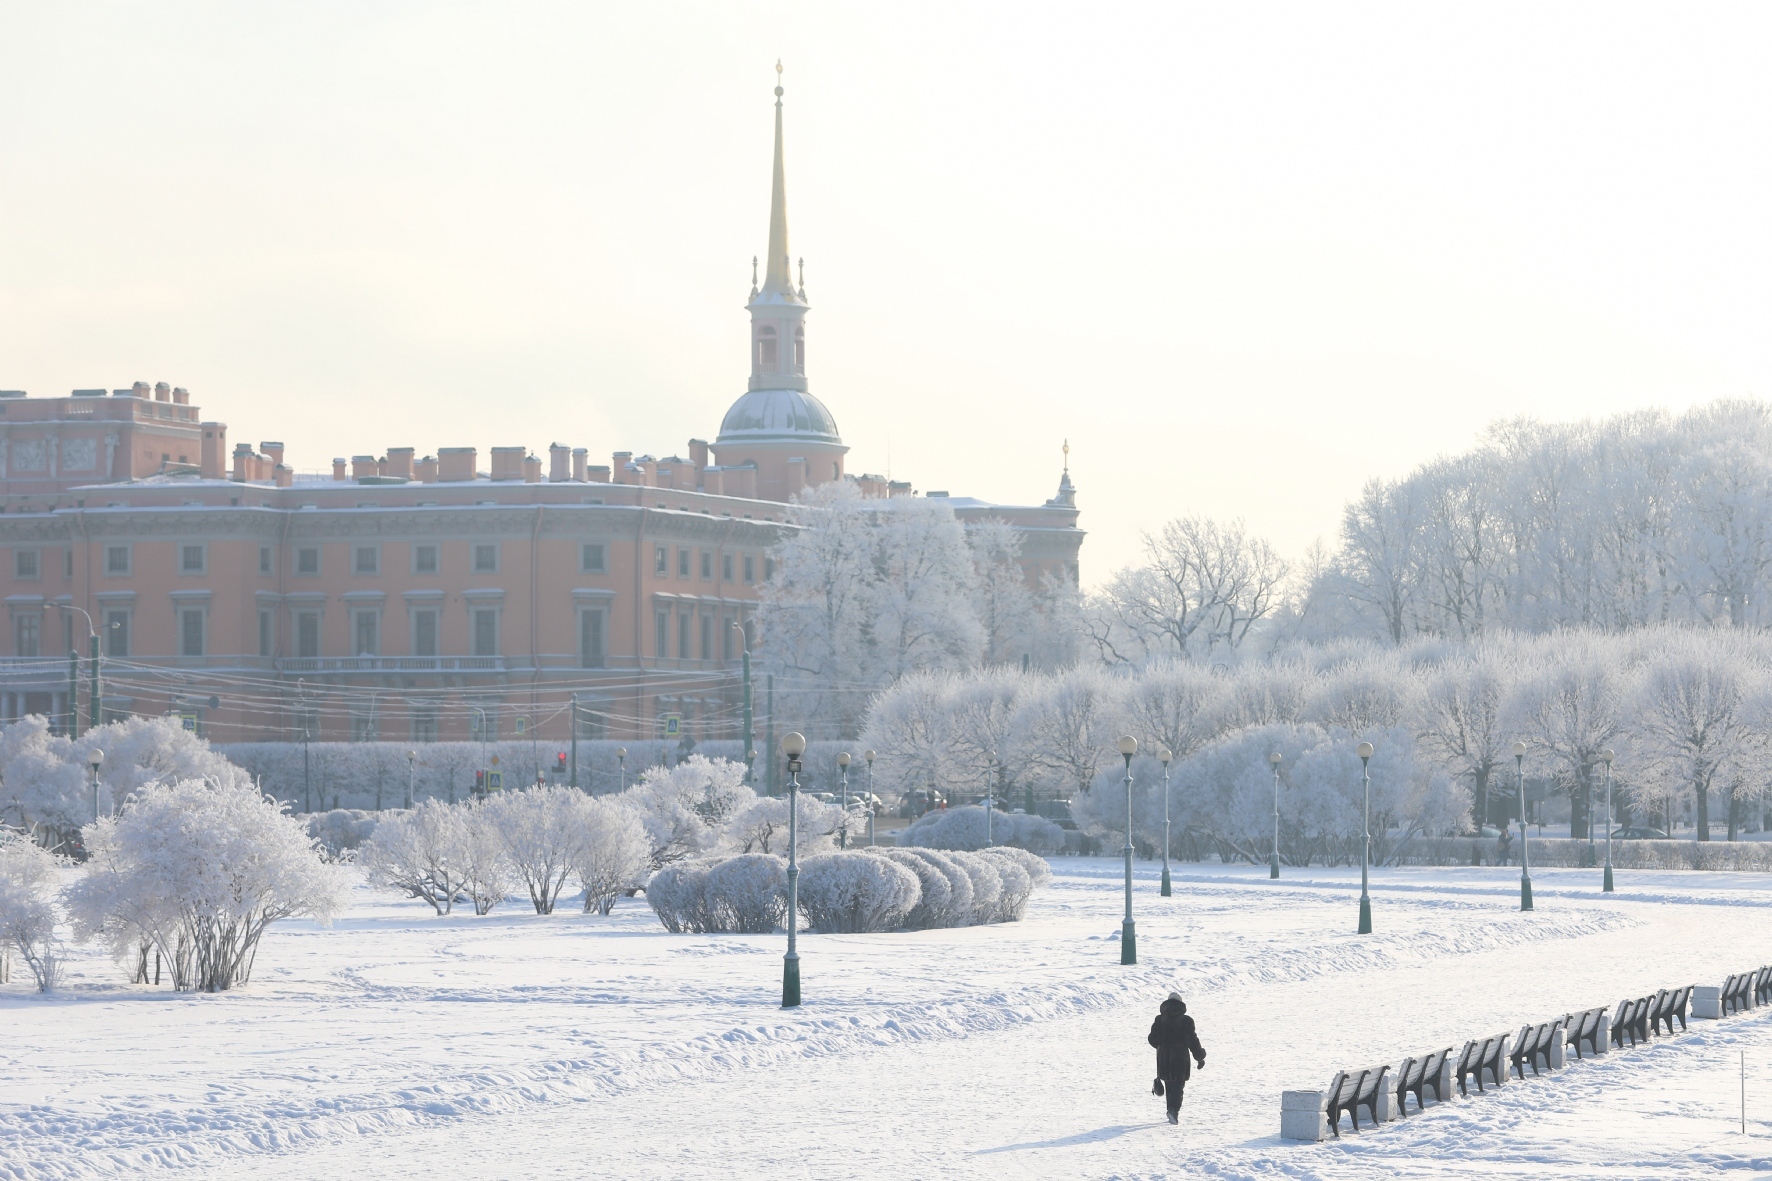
(744, 644)
(1273, 865)
(621, 760)
(989, 759)
(1365, 752)
(843, 769)
(869, 756)
(575, 741)
(1165, 755)
(793, 746)
(95, 760)
(1525, 848)
(1606, 882)
(1128, 937)
(411, 774)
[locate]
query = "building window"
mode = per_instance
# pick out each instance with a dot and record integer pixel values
(117, 560)
(264, 559)
(726, 630)
(707, 637)
(424, 633)
(307, 634)
(707, 566)
(367, 560)
(366, 626)
(25, 564)
(750, 568)
(192, 560)
(683, 562)
(661, 634)
(264, 633)
(800, 351)
(683, 635)
(307, 560)
(486, 558)
(27, 635)
(768, 569)
(424, 725)
(67, 563)
(836, 469)
(485, 631)
(661, 561)
(725, 567)
(116, 633)
(765, 349)
(424, 559)
(590, 639)
(190, 631)
(590, 557)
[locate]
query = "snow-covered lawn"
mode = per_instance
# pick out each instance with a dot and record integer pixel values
(397, 1044)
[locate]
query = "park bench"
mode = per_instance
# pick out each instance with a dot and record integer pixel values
(1352, 1090)
(1419, 1074)
(1479, 1056)
(1661, 1008)
(1630, 1021)
(1584, 1029)
(1674, 1006)
(1763, 989)
(1738, 992)
(1533, 1043)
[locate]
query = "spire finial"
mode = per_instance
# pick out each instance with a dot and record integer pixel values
(753, 270)
(778, 81)
(1067, 457)
(778, 279)
(802, 274)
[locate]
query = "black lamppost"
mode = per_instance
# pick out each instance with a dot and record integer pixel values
(1365, 752)
(1273, 865)
(793, 746)
(1525, 848)
(1128, 937)
(1606, 760)
(1165, 755)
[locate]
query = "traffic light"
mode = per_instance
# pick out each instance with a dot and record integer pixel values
(479, 783)
(560, 763)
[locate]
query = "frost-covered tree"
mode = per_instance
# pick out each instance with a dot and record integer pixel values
(1066, 726)
(1004, 603)
(27, 911)
(542, 829)
(217, 862)
(422, 853)
(1460, 717)
(487, 873)
(1693, 724)
(685, 808)
(613, 853)
(1571, 710)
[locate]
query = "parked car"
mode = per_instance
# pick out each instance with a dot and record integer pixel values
(1057, 811)
(1638, 834)
(918, 802)
(1488, 830)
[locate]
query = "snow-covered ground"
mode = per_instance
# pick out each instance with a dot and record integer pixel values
(403, 1045)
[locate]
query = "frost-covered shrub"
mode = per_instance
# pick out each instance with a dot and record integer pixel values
(27, 913)
(987, 886)
(486, 872)
(935, 897)
(202, 868)
(761, 826)
(678, 895)
(342, 831)
(421, 852)
(747, 893)
(542, 829)
(1017, 883)
(685, 808)
(613, 853)
(965, 828)
(958, 911)
(850, 892)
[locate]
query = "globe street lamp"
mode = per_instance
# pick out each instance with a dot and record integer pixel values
(621, 758)
(1128, 937)
(411, 771)
(843, 832)
(1525, 848)
(1273, 865)
(869, 756)
(1606, 760)
(1165, 755)
(793, 745)
(1365, 752)
(95, 760)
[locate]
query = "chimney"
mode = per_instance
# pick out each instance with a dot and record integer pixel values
(243, 465)
(181, 395)
(532, 469)
(507, 463)
(427, 470)
(713, 481)
(559, 463)
(579, 457)
(162, 391)
(283, 474)
(363, 465)
(619, 464)
(400, 462)
(338, 469)
(212, 456)
(457, 463)
(273, 451)
(141, 389)
(597, 475)
(698, 452)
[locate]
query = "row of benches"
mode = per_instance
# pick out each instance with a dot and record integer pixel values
(1382, 1091)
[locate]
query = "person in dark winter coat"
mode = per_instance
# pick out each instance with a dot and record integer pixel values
(1172, 1033)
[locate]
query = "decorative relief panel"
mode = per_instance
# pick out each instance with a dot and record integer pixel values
(28, 455)
(80, 455)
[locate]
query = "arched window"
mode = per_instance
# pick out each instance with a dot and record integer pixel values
(800, 351)
(765, 348)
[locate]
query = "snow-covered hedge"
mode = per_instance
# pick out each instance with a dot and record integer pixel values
(850, 892)
(749, 892)
(965, 828)
(1561, 852)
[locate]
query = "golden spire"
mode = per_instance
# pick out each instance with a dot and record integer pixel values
(1067, 457)
(777, 274)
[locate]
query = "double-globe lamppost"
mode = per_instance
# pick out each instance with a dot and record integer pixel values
(793, 745)
(1128, 937)
(1606, 761)
(1525, 847)
(1165, 755)
(1365, 753)
(94, 761)
(1273, 865)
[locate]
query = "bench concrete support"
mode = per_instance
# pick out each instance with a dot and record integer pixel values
(1559, 1050)
(1707, 1001)
(1444, 1085)
(1386, 1108)
(1603, 1040)
(1302, 1115)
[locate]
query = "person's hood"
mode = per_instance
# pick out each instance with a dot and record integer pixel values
(1173, 1008)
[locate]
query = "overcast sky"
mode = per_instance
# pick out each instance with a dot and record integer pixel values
(1244, 256)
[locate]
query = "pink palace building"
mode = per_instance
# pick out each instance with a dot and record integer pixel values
(415, 598)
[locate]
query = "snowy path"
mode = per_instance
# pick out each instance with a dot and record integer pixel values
(540, 1047)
